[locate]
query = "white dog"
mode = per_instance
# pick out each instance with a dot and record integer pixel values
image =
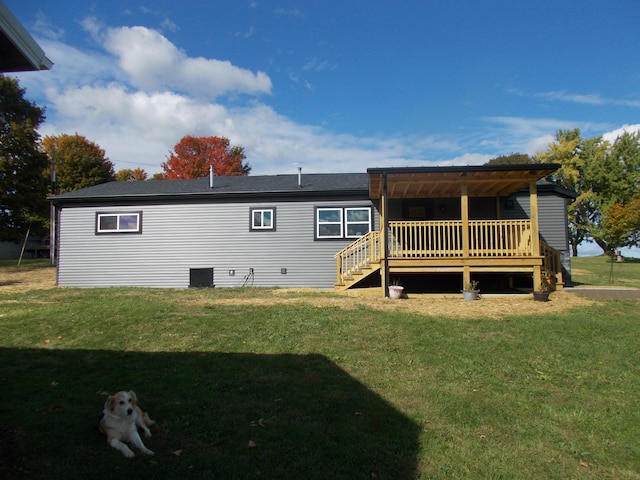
(120, 421)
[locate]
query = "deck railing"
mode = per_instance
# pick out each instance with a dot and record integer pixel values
(360, 254)
(552, 263)
(437, 239)
(433, 239)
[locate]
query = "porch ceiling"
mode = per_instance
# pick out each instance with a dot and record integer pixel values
(439, 182)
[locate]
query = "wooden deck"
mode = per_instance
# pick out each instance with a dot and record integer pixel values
(484, 246)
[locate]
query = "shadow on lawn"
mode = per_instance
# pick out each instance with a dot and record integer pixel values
(306, 416)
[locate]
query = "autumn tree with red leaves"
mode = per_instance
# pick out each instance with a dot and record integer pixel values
(192, 157)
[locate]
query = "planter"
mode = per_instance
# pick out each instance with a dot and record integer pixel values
(471, 295)
(541, 296)
(395, 291)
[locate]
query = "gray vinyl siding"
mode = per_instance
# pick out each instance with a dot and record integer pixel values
(552, 214)
(178, 237)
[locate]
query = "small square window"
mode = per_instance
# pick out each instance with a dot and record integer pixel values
(263, 219)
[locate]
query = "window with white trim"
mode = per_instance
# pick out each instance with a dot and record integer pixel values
(118, 222)
(357, 222)
(263, 219)
(343, 222)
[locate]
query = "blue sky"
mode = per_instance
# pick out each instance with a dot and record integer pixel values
(335, 86)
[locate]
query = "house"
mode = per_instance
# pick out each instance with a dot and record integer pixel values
(314, 230)
(19, 52)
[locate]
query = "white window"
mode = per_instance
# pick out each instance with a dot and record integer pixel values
(123, 222)
(329, 223)
(348, 222)
(357, 222)
(263, 218)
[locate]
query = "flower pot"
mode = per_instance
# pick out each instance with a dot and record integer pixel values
(395, 291)
(471, 295)
(541, 296)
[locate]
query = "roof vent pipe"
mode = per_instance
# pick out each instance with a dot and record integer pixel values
(300, 176)
(210, 176)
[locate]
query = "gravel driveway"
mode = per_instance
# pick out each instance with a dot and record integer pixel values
(606, 293)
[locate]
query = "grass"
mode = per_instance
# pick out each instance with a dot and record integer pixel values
(602, 271)
(262, 383)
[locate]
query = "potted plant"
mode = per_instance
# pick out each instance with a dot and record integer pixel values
(395, 289)
(546, 286)
(470, 290)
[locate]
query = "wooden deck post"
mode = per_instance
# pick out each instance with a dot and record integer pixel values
(384, 233)
(464, 209)
(535, 235)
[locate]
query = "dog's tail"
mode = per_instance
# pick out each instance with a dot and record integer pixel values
(146, 420)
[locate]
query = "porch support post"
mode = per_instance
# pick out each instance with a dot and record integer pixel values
(464, 209)
(535, 233)
(384, 231)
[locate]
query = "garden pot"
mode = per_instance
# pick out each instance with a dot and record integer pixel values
(471, 295)
(395, 291)
(541, 296)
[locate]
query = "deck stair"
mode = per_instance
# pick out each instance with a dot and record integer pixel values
(358, 260)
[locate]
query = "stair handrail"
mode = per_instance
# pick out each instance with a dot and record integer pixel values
(361, 253)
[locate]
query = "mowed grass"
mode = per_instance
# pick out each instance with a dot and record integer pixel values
(603, 271)
(259, 383)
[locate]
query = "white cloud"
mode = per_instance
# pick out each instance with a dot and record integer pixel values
(154, 63)
(618, 132)
(595, 99)
(136, 94)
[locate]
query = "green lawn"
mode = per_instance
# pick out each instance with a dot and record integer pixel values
(601, 271)
(259, 384)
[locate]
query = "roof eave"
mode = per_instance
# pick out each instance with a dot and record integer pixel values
(26, 46)
(197, 196)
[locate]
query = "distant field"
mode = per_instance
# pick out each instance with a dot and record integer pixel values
(601, 271)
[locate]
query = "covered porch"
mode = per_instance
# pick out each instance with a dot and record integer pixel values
(450, 220)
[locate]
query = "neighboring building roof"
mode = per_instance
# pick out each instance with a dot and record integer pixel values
(544, 186)
(345, 184)
(19, 52)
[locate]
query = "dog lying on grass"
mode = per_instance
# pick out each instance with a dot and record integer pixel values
(120, 421)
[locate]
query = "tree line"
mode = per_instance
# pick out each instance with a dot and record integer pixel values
(605, 175)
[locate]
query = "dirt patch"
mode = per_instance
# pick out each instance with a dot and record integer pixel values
(440, 305)
(22, 279)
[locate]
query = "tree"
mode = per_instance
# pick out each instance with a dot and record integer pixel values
(79, 163)
(23, 188)
(513, 159)
(192, 157)
(128, 175)
(621, 223)
(603, 175)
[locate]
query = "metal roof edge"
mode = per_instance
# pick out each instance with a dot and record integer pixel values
(466, 168)
(22, 40)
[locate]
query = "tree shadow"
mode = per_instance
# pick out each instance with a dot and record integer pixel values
(219, 415)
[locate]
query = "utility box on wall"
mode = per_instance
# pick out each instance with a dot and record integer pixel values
(201, 278)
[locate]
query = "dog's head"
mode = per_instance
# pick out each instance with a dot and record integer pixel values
(122, 403)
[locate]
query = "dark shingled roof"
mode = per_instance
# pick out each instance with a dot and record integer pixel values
(253, 186)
